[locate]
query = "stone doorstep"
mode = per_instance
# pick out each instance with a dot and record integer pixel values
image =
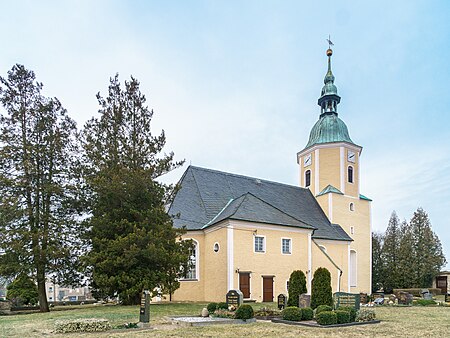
(314, 324)
(216, 320)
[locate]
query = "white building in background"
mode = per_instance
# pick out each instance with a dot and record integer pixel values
(57, 293)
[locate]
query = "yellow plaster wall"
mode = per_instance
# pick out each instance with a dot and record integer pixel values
(360, 220)
(323, 202)
(329, 168)
(193, 290)
(339, 255)
(351, 189)
(272, 262)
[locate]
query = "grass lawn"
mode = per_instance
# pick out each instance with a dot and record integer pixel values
(396, 322)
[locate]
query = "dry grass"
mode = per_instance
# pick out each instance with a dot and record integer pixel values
(396, 322)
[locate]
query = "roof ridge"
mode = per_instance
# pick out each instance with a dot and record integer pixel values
(199, 193)
(247, 177)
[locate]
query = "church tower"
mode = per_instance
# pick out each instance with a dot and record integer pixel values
(330, 168)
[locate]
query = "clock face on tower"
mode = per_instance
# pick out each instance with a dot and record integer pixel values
(351, 156)
(307, 160)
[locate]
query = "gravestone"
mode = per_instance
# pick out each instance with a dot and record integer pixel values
(304, 300)
(363, 297)
(379, 301)
(347, 299)
(281, 301)
(144, 312)
(235, 298)
(405, 298)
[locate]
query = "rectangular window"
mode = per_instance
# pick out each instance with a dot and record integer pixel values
(259, 244)
(286, 246)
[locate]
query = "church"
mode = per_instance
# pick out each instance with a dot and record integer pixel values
(250, 233)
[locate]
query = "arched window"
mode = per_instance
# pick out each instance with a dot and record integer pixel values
(350, 174)
(192, 272)
(353, 274)
(307, 178)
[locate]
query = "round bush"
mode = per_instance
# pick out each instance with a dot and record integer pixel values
(211, 307)
(307, 313)
(326, 318)
(322, 308)
(292, 313)
(222, 306)
(244, 312)
(321, 288)
(297, 286)
(350, 310)
(342, 316)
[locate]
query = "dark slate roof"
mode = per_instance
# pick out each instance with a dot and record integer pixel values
(208, 196)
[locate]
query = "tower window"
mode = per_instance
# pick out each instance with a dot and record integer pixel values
(307, 178)
(350, 174)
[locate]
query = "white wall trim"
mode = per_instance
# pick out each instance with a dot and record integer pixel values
(329, 145)
(330, 207)
(237, 224)
(359, 177)
(370, 246)
(316, 172)
(341, 168)
(309, 263)
(338, 282)
(356, 269)
(348, 268)
(230, 257)
(330, 241)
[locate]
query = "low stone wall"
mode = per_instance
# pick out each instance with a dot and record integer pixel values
(5, 308)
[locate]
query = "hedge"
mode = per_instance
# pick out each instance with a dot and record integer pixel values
(244, 312)
(321, 308)
(326, 318)
(211, 307)
(222, 306)
(307, 313)
(292, 313)
(82, 325)
(342, 316)
(350, 310)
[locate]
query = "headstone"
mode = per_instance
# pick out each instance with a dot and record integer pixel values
(235, 298)
(304, 300)
(347, 299)
(405, 298)
(363, 297)
(144, 312)
(205, 312)
(447, 297)
(427, 296)
(281, 301)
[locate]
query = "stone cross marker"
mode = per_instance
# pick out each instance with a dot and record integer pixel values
(144, 311)
(281, 301)
(235, 298)
(304, 300)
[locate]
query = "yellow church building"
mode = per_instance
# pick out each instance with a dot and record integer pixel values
(250, 234)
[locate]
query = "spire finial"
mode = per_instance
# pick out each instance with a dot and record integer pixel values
(329, 77)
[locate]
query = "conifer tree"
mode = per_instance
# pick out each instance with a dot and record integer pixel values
(390, 251)
(297, 286)
(377, 261)
(38, 183)
(406, 257)
(133, 243)
(321, 292)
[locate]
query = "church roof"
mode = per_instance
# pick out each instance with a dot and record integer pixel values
(208, 196)
(329, 128)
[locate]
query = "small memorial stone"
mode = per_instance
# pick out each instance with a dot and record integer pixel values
(281, 301)
(234, 298)
(205, 312)
(363, 297)
(304, 300)
(144, 311)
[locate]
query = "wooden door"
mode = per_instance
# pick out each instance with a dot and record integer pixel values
(267, 289)
(441, 283)
(244, 284)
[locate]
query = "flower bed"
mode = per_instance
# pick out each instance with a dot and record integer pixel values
(82, 325)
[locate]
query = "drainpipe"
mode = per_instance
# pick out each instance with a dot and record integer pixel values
(332, 262)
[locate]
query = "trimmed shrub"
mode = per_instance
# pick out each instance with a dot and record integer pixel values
(326, 318)
(292, 313)
(350, 310)
(321, 288)
(342, 316)
(211, 307)
(307, 313)
(222, 306)
(365, 315)
(244, 312)
(424, 302)
(82, 325)
(322, 308)
(297, 286)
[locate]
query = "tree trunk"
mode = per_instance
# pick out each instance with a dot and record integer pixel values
(43, 304)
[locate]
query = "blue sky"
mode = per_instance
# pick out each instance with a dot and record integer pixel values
(235, 84)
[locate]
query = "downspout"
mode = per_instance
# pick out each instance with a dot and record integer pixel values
(332, 262)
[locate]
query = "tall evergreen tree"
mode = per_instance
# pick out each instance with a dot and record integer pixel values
(133, 243)
(390, 251)
(38, 214)
(406, 257)
(297, 286)
(377, 260)
(428, 255)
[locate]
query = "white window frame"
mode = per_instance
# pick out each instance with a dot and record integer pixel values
(290, 246)
(197, 263)
(264, 243)
(353, 174)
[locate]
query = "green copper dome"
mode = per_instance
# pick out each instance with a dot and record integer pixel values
(329, 128)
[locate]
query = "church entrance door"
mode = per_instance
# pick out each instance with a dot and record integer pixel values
(244, 284)
(267, 288)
